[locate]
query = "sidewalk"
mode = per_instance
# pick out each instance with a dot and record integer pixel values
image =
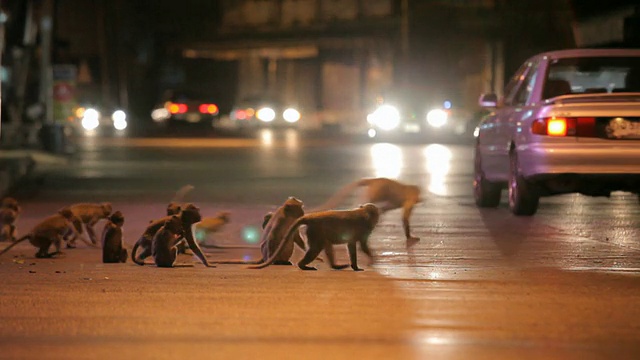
(15, 164)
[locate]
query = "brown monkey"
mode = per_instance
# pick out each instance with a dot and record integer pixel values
(113, 250)
(88, 214)
(9, 212)
(50, 230)
(332, 227)
(189, 215)
(163, 246)
(390, 194)
(212, 224)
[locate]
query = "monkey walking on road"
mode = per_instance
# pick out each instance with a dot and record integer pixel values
(274, 228)
(113, 249)
(332, 227)
(87, 215)
(50, 230)
(164, 244)
(9, 212)
(390, 194)
(189, 215)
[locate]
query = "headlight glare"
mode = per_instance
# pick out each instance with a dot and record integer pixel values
(266, 114)
(437, 118)
(291, 115)
(90, 119)
(386, 117)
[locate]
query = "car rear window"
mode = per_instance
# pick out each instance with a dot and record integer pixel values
(592, 75)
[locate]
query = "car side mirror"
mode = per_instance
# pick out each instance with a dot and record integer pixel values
(488, 100)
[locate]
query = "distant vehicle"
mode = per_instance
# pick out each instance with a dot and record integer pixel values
(185, 107)
(263, 111)
(92, 119)
(410, 114)
(569, 122)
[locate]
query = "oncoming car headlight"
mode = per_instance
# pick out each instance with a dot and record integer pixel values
(437, 118)
(386, 117)
(119, 118)
(291, 115)
(90, 119)
(266, 114)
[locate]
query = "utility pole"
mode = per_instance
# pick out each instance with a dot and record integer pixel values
(404, 40)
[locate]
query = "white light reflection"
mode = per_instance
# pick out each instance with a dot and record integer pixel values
(266, 137)
(438, 159)
(292, 139)
(387, 160)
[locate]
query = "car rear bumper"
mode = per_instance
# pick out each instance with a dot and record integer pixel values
(602, 157)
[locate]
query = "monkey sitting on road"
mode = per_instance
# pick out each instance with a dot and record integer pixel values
(390, 194)
(332, 227)
(88, 214)
(274, 228)
(189, 215)
(9, 212)
(50, 230)
(113, 249)
(163, 247)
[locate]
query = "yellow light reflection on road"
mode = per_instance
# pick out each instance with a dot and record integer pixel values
(387, 160)
(292, 139)
(266, 137)
(438, 159)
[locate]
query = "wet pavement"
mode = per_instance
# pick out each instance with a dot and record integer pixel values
(480, 284)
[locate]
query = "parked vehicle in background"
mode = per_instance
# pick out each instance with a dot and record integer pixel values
(185, 107)
(91, 119)
(404, 114)
(263, 112)
(569, 122)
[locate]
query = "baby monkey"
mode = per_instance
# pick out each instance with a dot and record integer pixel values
(113, 249)
(332, 227)
(164, 247)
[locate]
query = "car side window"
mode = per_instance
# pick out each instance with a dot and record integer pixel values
(514, 84)
(525, 90)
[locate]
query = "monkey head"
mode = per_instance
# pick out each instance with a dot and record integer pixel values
(293, 207)
(173, 208)
(106, 208)
(372, 214)
(117, 218)
(174, 224)
(10, 203)
(190, 214)
(66, 213)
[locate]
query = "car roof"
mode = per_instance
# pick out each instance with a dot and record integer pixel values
(572, 53)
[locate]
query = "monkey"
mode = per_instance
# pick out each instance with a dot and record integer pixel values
(391, 194)
(163, 246)
(113, 250)
(9, 212)
(332, 227)
(189, 215)
(50, 230)
(272, 237)
(88, 214)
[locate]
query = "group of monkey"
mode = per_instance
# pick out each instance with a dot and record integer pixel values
(166, 237)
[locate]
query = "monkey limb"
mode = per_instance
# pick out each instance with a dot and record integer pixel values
(332, 227)
(7, 224)
(113, 249)
(165, 241)
(391, 194)
(189, 215)
(89, 214)
(50, 231)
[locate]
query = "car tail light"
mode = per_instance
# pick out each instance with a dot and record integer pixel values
(241, 114)
(561, 126)
(208, 109)
(176, 108)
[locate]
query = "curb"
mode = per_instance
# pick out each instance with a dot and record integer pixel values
(17, 164)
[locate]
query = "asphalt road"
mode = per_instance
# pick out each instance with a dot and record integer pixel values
(480, 284)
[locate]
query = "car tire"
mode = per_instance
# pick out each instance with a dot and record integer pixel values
(486, 193)
(523, 197)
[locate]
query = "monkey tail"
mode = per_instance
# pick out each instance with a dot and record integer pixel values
(239, 262)
(25, 237)
(182, 192)
(288, 237)
(340, 195)
(133, 252)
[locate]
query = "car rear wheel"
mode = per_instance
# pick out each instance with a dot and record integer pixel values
(486, 193)
(523, 198)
